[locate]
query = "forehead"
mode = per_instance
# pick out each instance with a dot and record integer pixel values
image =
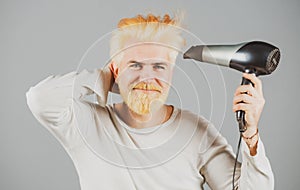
(146, 51)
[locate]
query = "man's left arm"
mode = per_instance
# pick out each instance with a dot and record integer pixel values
(249, 98)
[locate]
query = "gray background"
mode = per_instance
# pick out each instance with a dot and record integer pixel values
(42, 37)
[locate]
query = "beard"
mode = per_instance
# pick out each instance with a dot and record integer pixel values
(144, 102)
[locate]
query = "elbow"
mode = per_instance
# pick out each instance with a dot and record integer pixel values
(34, 100)
(42, 105)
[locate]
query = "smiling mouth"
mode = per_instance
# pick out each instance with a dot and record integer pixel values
(147, 87)
(146, 90)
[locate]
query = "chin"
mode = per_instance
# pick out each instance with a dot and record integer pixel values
(144, 104)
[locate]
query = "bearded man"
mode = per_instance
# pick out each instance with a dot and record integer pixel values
(143, 143)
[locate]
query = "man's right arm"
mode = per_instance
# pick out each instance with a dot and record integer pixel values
(51, 100)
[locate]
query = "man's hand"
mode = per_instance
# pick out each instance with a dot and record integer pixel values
(251, 100)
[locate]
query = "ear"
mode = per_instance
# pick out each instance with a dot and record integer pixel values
(114, 69)
(114, 79)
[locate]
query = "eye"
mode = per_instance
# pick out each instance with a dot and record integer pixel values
(135, 66)
(159, 67)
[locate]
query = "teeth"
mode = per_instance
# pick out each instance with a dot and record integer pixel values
(146, 86)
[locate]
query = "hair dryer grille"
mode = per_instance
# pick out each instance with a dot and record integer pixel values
(273, 60)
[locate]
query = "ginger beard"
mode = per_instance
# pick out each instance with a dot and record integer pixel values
(144, 98)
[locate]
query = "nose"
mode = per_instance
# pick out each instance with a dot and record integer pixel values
(147, 73)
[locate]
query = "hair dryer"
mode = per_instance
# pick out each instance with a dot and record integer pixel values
(255, 57)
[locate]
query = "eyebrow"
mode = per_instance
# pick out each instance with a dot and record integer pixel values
(155, 63)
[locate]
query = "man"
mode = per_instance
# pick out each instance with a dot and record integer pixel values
(142, 143)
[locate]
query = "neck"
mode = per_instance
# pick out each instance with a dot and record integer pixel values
(146, 120)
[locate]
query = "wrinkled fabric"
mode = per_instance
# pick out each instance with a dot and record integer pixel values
(183, 153)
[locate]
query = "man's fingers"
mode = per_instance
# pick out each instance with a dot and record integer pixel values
(243, 98)
(246, 89)
(255, 80)
(242, 106)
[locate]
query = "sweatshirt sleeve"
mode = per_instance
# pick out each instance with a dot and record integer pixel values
(52, 100)
(254, 172)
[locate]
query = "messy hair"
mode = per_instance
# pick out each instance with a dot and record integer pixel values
(165, 31)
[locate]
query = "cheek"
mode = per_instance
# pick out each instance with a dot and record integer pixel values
(166, 82)
(167, 77)
(125, 79)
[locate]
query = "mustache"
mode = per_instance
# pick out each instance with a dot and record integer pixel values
(147, 86)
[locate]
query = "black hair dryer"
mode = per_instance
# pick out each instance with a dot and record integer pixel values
(255, 57)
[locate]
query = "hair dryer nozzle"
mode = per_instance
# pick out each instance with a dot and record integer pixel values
(195, 52)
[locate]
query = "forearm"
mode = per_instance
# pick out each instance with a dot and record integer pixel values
(251, 139)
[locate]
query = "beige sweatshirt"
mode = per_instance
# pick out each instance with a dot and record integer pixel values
(183, 153)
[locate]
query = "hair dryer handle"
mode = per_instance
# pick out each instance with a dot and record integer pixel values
(240, 115)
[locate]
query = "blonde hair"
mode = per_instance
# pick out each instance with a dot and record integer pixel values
(150, 28)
